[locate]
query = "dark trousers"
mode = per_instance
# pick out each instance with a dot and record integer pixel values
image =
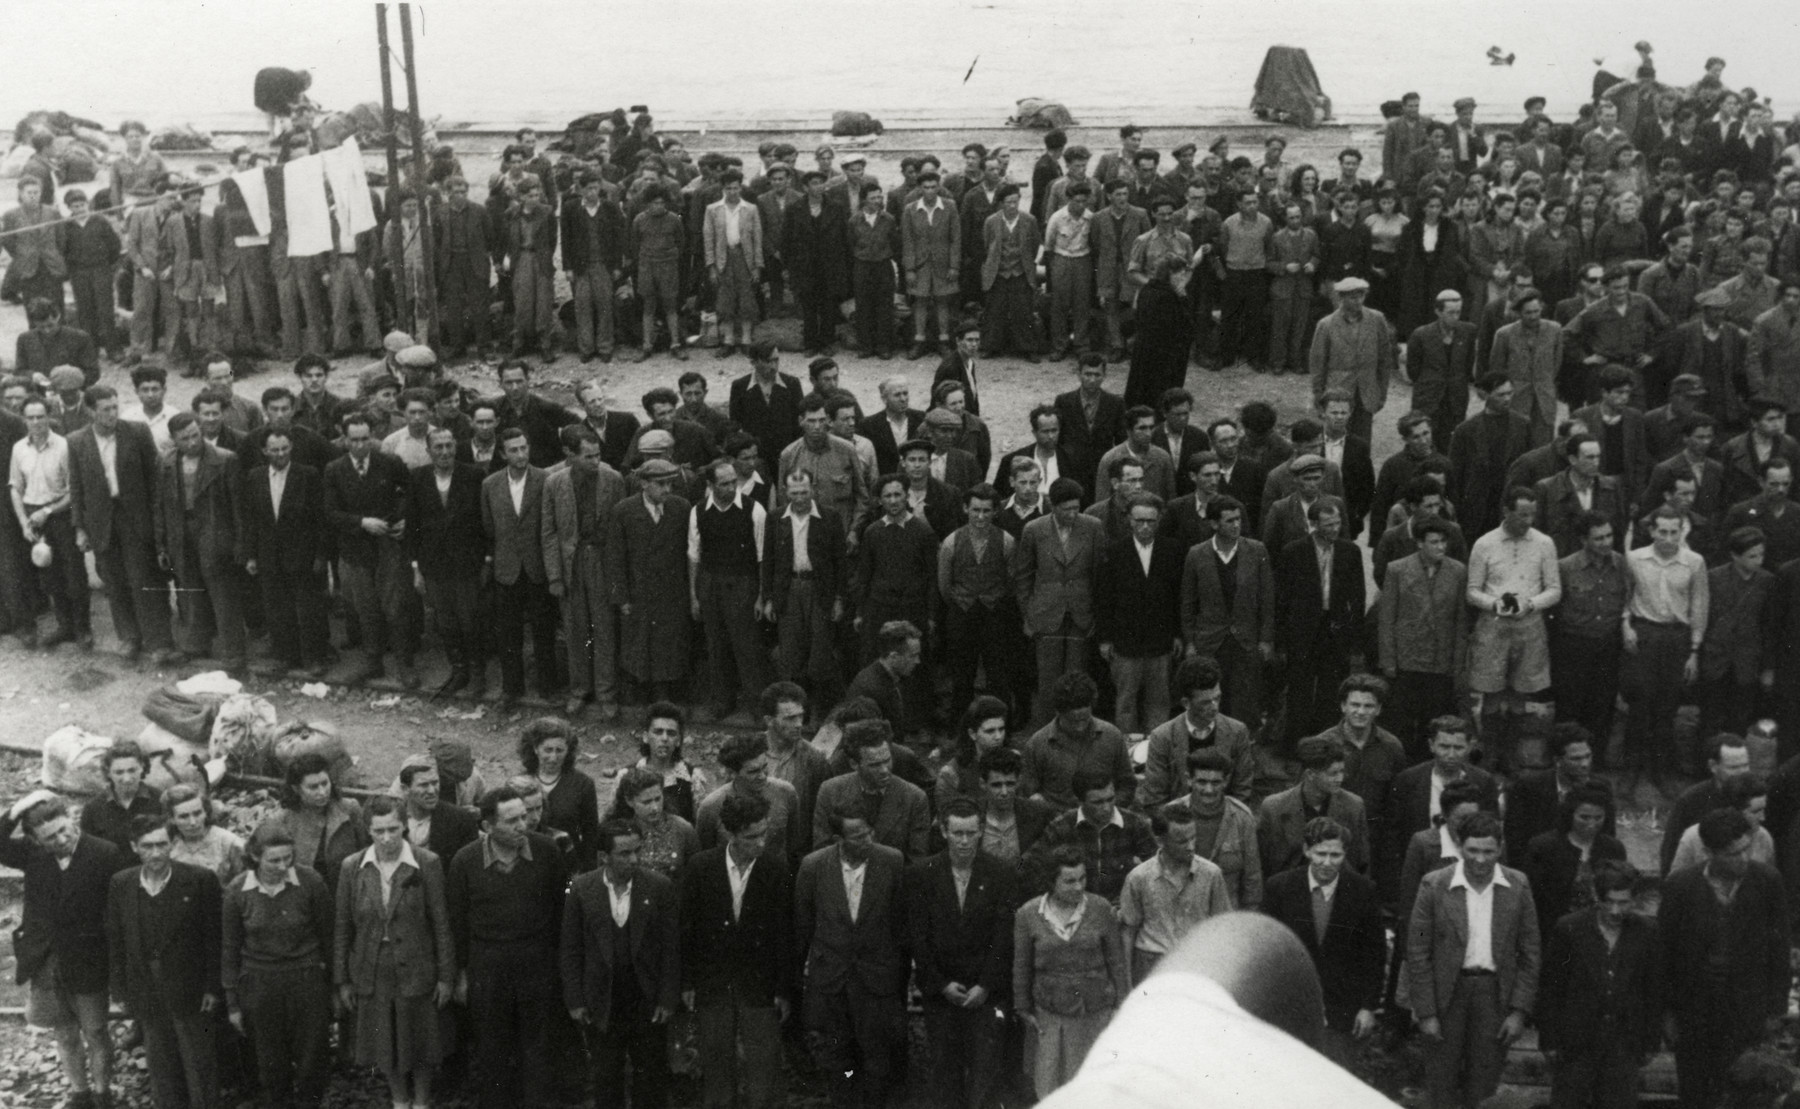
(181, 1052)
(250, 317)
(136, 592)
(1727, 704)
(456, 614)
(516, 605)
(990, 637)
(1464, 1067)
(735, 660)
(1009, 319)
(818, 319)
(1071, 302)
(1240, 682)
(1653, 694)
(1312, 683)
(463, 299)
(1706, 1046)
(740, 1045)
(510, 997)
(1415, 698)
(965, 1053)
(874, 285)
(295, 611)
(378, 594)
(1605, 1077)
(805, 637)
(854, 1034)
(593, 292)
(65, 581)
(630, 1037)
(1243, 316)
(287, 1015)
(212, 607)
(1586, 673)
(93, 289)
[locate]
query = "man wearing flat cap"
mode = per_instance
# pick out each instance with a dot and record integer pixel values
(1470, 147)
(1714, 350)
(1353, 350)
(73, 413)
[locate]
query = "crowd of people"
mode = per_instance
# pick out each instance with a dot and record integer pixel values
(982, 638)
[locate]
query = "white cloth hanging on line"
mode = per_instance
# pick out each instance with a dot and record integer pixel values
(308, 212)
(350, 192)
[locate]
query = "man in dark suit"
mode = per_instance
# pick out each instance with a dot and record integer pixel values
(195, 521)
(883, 428)
(60, 944)
(1744, 455)
(538, 418)
(1282, 818)
(815, 254)
(1352, 456)
(1560, 512)
(163, 924)
(960, 906)
(593, 241)
(1472, 987)
(982, 626)
(1240, 477)
(512, 506)
(1319, 613)
(1093, 420)
(737, 946)
(1011, 823)
(1600, 994)
(1534, 797)
(850, 930)
(765, 402)
(1178, 437)
(1725, 968)
(949, 463)
(112, 495)
(1694, 458)
(365, 500)
(1228, 608)
(621, 967)
(433, 823)
(885, 679)
(446, 545)
(617, 431)
(1409, 795)
(959, 364)
(1047, 449)
(1337, 915)
(1440, 358)
(282, 545)
(1137, 615)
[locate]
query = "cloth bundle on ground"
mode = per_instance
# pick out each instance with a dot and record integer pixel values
(1039, 114)
(1287, 89)
(855, 123)
(189, 716)
(77, 150)
(181, 136)
(367, 124)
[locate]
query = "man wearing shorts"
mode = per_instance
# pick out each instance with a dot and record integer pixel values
(1513, 579)
(61, 941)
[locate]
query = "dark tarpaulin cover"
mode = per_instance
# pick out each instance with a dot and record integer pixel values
(1287, 89)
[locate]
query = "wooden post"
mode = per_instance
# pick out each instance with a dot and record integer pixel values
(428, 306)
(387, 103)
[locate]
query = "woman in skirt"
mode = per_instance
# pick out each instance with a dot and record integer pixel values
(393, 960)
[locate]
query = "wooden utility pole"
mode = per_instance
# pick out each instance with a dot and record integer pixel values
(387, 103)
(428, 306)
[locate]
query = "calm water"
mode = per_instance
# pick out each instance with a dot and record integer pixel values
(691, 60)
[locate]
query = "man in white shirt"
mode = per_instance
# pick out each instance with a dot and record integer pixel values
(1663, 625)
(1472, 956)
(39, 480)
(150, 383)
(409, 444)
(1513, 580)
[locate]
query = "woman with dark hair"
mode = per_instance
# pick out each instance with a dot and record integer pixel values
(1384, 226)
(394, 958)
(684, 785)
(1560, 863)
(571, 804)
(197, 840)
(983, 729)
(1162, 260)
(275, 950)
(1070, 970)
(127, 796)
(1430, 258)
(1303, 189)
(666, 839)
(1588, 217)
(326, 827)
